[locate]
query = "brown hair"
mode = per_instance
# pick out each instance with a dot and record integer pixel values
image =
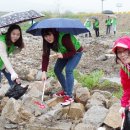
(19, 43)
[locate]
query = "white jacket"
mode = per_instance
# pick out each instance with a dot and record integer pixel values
(5, 59)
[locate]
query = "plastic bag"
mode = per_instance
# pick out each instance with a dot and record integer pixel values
(17, 91)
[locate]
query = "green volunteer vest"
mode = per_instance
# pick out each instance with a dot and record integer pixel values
(88, 24)
(61, 47)
(114, 21)
(108, 22)
(9, 51)
(96, 24)
(126, 71)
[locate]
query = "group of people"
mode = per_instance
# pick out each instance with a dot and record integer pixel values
(94, 24)
(111, 25)
(68, 53)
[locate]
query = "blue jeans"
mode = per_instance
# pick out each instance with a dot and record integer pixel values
(8, 77)
(67, 82)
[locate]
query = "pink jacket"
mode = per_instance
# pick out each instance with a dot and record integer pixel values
(124, 42)
(125, 81)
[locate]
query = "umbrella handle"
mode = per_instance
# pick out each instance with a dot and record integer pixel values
(44, 84)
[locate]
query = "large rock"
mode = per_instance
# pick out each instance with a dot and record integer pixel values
(113, 118)
(83, 126)
(102, 58)
(106, 94)
(51, 84)
(52, 126)
(78, 85)
(82, 95)
(50, 116)
(3, 90)
(34, 92)
(32, 75)
(2, 123)
(29, 104)
(54, 101)
(14, 112)
(3, 103)
(112, 101)
(39, 75)
(95, 116)
(74, 111)
(96, 99)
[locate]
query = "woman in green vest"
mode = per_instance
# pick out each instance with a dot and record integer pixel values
(11, 42)
(69, 52)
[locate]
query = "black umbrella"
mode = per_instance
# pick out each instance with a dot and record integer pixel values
(15, 18)
(93, 17)
(108, 12)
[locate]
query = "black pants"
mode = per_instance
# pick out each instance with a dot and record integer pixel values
(97, 32)
(86, 35)
(108, 29)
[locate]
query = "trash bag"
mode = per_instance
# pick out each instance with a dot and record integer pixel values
(126, 125)
(16, 91)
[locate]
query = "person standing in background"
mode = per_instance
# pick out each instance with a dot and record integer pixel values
(88, 25)
(96, 27)
(114, 24)
(108, 25)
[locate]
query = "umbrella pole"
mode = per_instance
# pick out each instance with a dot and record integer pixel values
(32, 21)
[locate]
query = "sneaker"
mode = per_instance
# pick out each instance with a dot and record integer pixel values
(67, 101)
(59, 94)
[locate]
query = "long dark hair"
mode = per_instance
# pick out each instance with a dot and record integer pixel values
(19, 43)
(117, 58)
(46, 45)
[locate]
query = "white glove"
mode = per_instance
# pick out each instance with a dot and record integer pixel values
(122, 110)
(14, 76)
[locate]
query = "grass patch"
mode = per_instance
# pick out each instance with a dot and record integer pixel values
(91, 81)
(50, 73)
(118, 94)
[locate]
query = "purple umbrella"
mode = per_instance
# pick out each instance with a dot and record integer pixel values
(15, 18)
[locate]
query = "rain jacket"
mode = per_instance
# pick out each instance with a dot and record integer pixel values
(124, 42)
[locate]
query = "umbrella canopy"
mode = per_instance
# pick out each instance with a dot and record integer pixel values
(93, 17)
(15, 18)
(73, 26)
(108, 12)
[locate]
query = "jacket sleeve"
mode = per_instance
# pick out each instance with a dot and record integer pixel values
(4, 57)
(125, 99)
(45, 61)
(125, 81)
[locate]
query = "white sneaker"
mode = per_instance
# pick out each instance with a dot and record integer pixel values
(67, 101)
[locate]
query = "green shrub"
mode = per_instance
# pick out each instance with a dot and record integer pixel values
(91, 80)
